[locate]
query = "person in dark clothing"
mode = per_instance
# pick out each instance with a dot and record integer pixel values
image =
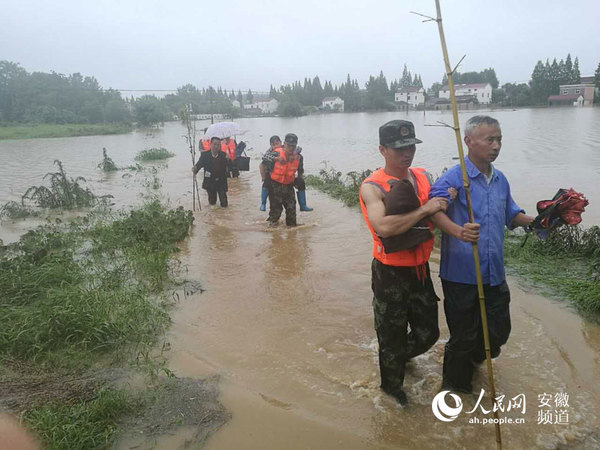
(214, 163)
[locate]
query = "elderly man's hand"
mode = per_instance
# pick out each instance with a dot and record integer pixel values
(470, 232)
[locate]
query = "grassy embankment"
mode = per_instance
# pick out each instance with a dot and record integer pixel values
(32, 131)
(566, 264)
(78, 300)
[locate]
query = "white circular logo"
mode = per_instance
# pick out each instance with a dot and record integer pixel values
(442, 410)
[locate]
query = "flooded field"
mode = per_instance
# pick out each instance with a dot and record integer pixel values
(285, 319)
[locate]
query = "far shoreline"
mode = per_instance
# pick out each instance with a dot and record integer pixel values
(35, 131)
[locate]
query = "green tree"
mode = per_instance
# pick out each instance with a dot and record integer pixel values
(576, 73)
(249, 96)
(148, 111)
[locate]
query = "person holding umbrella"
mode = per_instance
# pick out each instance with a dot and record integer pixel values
(493, 208)
(214, 163)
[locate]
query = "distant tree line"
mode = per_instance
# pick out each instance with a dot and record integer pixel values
(39, 97)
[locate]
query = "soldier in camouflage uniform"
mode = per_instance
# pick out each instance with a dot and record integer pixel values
(282, 166)
(403, 293)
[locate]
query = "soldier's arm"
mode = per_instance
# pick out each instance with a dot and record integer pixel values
(386, 226)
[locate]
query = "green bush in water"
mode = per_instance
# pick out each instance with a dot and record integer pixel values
(154, 154)
(107, 164)
(342, 188)
(63, 193)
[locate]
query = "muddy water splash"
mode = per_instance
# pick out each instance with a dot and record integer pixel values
(286, 318)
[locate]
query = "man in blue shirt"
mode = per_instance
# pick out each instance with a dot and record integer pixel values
(493, 209)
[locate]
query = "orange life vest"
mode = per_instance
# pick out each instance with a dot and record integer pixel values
(229, 149)
(416, 256)
(285, 172)
(206, 145)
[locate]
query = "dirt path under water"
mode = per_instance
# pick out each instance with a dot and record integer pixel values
(286, 323)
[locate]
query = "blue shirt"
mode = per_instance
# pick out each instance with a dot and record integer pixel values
(493, 208)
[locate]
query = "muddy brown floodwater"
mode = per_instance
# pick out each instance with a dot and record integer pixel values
(286, 324)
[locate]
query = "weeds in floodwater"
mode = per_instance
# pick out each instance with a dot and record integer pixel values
(107, 164)
(568, 262)
(86, 425)
(332, 182)
(63, 193)
(96, 288)
(154, 154)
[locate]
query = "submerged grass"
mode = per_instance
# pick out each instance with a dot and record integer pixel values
(91, 289)
(344, 188)
(567, 262)
(83, 296)
(154, 154)
(87, 425)
(32, 131)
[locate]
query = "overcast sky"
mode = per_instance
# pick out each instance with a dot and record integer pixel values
(235, 44)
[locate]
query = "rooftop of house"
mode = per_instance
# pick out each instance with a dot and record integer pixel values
(331, 99)
(468, 86)
(409, 89)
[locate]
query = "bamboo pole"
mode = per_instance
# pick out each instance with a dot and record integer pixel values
(484, 324)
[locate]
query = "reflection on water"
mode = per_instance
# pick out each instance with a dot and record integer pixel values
(286, 317)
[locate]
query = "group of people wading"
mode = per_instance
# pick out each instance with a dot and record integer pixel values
(281, 170)
(401, 207)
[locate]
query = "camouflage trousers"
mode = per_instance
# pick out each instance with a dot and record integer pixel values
(400, 300)
(282, 196)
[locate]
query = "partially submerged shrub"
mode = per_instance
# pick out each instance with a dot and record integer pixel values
(107, 164)
(333, 183)
(14, 210)
(154, 154)
(63, 193)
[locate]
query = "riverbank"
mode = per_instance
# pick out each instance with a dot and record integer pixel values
(34, 131)
(85, 308)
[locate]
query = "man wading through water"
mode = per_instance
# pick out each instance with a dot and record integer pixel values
(214, 163)
(493, 209)
(283, 173)
(402, 289)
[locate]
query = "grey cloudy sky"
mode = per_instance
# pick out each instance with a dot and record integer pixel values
(149, 44)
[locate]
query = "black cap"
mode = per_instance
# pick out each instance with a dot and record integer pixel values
(291, 139)
(398, 134)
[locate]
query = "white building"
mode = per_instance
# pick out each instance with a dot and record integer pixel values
(334, 103)
(412, 96)
(236, 104)
(481, 91)
(266, 106)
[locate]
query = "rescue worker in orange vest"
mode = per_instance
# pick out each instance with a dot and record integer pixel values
(228, 146)
(205, 143)
(403, 292)
(282, 172)
(299, 183)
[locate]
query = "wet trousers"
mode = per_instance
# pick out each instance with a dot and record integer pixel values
(400, 299)
(465, 349)
(212, 196)
(282, 196)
